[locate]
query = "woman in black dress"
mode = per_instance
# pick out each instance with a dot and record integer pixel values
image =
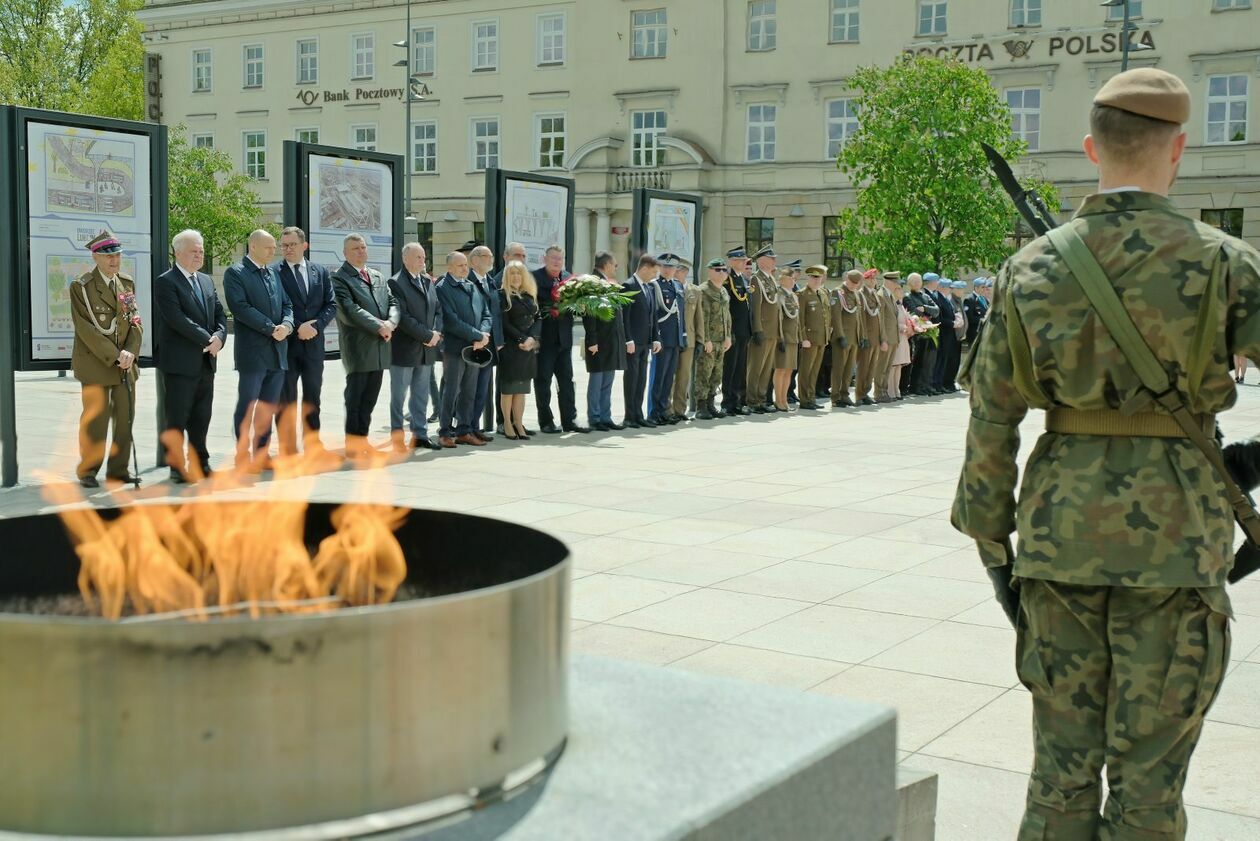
(518, 360)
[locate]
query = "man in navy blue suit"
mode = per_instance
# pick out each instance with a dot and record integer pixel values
(311, 295)
(643, 337)
(264, 321)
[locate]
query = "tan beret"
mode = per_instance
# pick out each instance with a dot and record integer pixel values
(1148, 92)
(819, 271)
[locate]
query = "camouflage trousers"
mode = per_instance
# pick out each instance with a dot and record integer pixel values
(709, 373)
(1121, 679)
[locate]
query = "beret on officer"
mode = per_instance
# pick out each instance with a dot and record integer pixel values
(716, 263)
(1148, 92)
(931, 277)
(870, 273)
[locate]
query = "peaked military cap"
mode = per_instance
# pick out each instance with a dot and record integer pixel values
(892, 275)
(668, 260)
(817, 271)
(737, 253)
(1148, 92)
(765, 251)
(104, 243)
(795, 265)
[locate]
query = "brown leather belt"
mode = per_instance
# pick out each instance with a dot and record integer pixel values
(1110, 422)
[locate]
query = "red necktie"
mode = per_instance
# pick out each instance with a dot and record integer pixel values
(363, 274)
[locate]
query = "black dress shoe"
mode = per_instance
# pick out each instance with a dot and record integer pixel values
(743, 410)
(550, 429)
(126, 479)
(866, 401)
(649, 423)
(424, 444)
(576, 427)
(812, 407)
(631, 424)
(526, 432)
(600, 426)
(483, 437)
(89, 482)
(177, 478)
(615, 427)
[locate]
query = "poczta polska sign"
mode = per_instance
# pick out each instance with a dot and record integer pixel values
(1104, 43)
(311, 97)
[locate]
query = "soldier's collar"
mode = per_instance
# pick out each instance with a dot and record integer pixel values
(1130, 201)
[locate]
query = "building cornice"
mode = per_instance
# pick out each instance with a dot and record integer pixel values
(761, 92)
(1210, 61)
(169, 14)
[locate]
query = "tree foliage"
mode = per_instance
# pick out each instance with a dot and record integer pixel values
(208, 195)
(84, 56)
(925, 196)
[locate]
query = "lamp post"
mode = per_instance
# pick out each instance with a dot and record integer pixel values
(1127, 28)
(411, 90)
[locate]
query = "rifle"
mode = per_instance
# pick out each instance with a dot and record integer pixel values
(1028, 202)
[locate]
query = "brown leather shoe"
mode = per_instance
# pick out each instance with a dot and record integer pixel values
(471, 440)
(448, 443)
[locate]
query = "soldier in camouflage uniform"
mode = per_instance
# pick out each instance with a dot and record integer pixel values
(1125, 534)
(713, 339)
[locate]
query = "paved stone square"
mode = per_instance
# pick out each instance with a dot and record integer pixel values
(811, 551)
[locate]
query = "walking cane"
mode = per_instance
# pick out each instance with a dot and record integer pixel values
(131, 425)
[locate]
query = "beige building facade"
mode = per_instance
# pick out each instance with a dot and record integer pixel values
(742, 103)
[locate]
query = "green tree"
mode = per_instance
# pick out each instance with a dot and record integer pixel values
(208, 195)
(925, 195)
(84, 56)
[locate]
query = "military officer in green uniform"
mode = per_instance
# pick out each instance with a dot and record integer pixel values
(889, 335)
(713, 339)
(686, 355)
(1124, 530)
(815, 334)
(763, 305)
(107, 334)
(846, 336)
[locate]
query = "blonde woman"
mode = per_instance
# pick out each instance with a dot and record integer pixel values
(785, 356)
(522, 331)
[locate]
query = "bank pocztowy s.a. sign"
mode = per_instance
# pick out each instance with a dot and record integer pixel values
(311, 97)
(1094, 44)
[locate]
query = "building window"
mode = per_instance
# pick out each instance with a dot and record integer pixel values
(306, 135)
(202, 74)
(650, 34)
(932, 15)
(253, 65)
(363, 137)
(485, 45)
(424, 50)
(550, 130)
(363, 52)
(762, 28)
(479, 233)
(485, 142)
(842, 124)
(203, 141)
(1025, 13)
(1230, 221)
(424, 236)
(1117, 12)
(256, 154)
(837, 259)
(424, 146)
(550, 39)
(761, 132)
(844, 21)
(307, 61)
(1224, 5)
(646, 127)
(757, 234)
(1227, 109)
(1025, 105)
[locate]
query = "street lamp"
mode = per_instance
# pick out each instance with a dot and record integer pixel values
(1127, 28)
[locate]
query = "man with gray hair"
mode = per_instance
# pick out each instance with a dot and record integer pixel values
(481, 263)
(466, 327)
(555, 355)
(263, 317)
(191, 332)
(415, 348)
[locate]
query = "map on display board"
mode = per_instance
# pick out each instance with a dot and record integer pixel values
(535, 215)
(82, 181)
(671, 227)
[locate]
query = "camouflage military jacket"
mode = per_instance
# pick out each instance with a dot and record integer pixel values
(714, 323)
(1098, 510)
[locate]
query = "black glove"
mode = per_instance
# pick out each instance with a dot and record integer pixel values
(843, 342)
(1007, 596)
(758, 337)
(1242, 459)
(863, 344)
(782, 346)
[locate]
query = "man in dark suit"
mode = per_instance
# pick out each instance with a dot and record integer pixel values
(414, 348)
(481, 263)
(947, 340)
(466, 325)
(367, 315)
(191, 332)
(555, 354)
(263, 318)
(311, 295)
(735, 362)
(643, 338)
(673, 335)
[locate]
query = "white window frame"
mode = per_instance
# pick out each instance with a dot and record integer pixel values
(1117, 12)
(649, 153)
(1023, 11)
(197, 140)
(496, 138)
(246, 61)
(362, 57)
(555, 53)
(540, 136)
(1021, 113)
(1230, 5)
(1229, 100)
(763, 26)
(432, 142)
(492, 48)
(939, 13)
(260, 163)
(845, 17)
(305, 130)
(655, 35)
(848, 124)
(314, 58)
(431, 47)
(208, 67)
(765, 131)
(355, 143)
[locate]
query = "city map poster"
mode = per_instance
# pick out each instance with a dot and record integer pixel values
(536, 215)
(671, 227)
(350, 195)
(81, 181)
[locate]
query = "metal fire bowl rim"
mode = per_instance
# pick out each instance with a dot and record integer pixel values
(566, 562)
